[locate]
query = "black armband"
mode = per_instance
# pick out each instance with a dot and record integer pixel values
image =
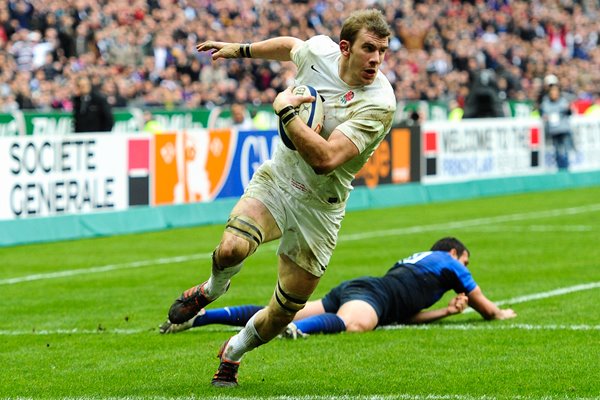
(287, 114)
(245, 50)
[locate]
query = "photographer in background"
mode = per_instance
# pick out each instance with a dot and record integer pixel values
(483, 100)
(555, 110)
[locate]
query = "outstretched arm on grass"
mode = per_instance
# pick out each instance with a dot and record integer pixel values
(486, 308)
(455, 306)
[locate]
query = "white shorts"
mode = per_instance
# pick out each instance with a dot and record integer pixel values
(308, 232)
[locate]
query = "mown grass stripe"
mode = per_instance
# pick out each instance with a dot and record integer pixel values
(344, 238)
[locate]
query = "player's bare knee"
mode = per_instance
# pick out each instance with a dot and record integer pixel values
(356, 325)
(231, 251)
(245, 235)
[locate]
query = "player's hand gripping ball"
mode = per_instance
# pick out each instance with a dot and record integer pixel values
(312, 114)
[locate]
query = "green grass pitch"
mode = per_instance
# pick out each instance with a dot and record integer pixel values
(79, 319)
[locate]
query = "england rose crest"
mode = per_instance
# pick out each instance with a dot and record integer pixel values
(347, 97)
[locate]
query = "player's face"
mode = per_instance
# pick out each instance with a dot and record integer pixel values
(365, 57)
(464, 258)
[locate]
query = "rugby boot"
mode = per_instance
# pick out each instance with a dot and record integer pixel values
(189, 304)
(226, 375)
(169, 327)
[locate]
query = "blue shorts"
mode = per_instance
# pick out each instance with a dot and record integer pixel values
(367, 289)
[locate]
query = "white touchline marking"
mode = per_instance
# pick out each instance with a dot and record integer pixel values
(344, 238)
(493, 327)
(533, 228)
(104, 268)
(545, 295)
(422, 327)
(515, 300)
(106, 331)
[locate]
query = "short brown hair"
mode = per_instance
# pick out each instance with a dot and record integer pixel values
(371, 19)
(449, 243)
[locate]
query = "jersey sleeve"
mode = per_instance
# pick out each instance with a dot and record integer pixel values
(362, 132)
(311, 48)
(299, 54)
(465, 283)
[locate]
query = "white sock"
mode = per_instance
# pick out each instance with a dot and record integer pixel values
(219, 279)
(246, 340)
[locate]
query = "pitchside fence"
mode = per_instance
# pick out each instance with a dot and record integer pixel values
(56, 185)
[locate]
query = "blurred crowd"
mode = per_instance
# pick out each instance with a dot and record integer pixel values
(142, 52)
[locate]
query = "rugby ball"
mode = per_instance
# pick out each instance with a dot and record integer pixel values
(311, 114)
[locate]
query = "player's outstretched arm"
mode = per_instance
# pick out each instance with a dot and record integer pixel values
(278, 48)
(486, 308)
(455, 306)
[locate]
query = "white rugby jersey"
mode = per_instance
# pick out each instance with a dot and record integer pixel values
(364, 114)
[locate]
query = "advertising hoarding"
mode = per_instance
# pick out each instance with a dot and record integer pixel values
(481, 148)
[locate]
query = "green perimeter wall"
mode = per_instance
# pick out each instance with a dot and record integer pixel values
(144, 219)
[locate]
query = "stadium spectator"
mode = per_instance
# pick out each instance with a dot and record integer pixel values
(113, 94)
(22, 49)
(556, 112)
(527, 39)
(240, 117)
(91, 111)
(20, 86)
(151, 124)
(23, 12)
(400, 296)
(300, 196)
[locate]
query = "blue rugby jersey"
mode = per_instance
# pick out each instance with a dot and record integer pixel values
(417, 282)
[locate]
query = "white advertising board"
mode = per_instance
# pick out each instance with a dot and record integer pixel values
(481, 148)
(51, 175)
(585, 156)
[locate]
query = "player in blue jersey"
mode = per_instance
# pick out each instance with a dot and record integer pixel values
(410, 286)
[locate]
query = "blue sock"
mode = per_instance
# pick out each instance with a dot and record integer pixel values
(322, 323)
(235, 316)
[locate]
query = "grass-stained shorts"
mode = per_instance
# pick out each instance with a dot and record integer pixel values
(309, 228)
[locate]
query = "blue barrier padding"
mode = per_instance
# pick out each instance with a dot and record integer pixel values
(144, 219)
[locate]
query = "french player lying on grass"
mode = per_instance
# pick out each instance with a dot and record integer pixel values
(358, 305)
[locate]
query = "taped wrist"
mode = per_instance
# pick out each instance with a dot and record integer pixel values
(287, 114)
(245, 50)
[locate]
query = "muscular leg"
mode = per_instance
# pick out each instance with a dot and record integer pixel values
(249, 225)
(312, 308)
(352, 316)
(295, 286)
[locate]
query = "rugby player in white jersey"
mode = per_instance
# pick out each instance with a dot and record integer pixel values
(300, 196)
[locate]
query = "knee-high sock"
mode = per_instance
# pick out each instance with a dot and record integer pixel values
(247, 339)
(234, 316)
(219, 280)
(322, 323)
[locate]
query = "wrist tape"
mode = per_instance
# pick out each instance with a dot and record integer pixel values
(287, 114)
(245, 50)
